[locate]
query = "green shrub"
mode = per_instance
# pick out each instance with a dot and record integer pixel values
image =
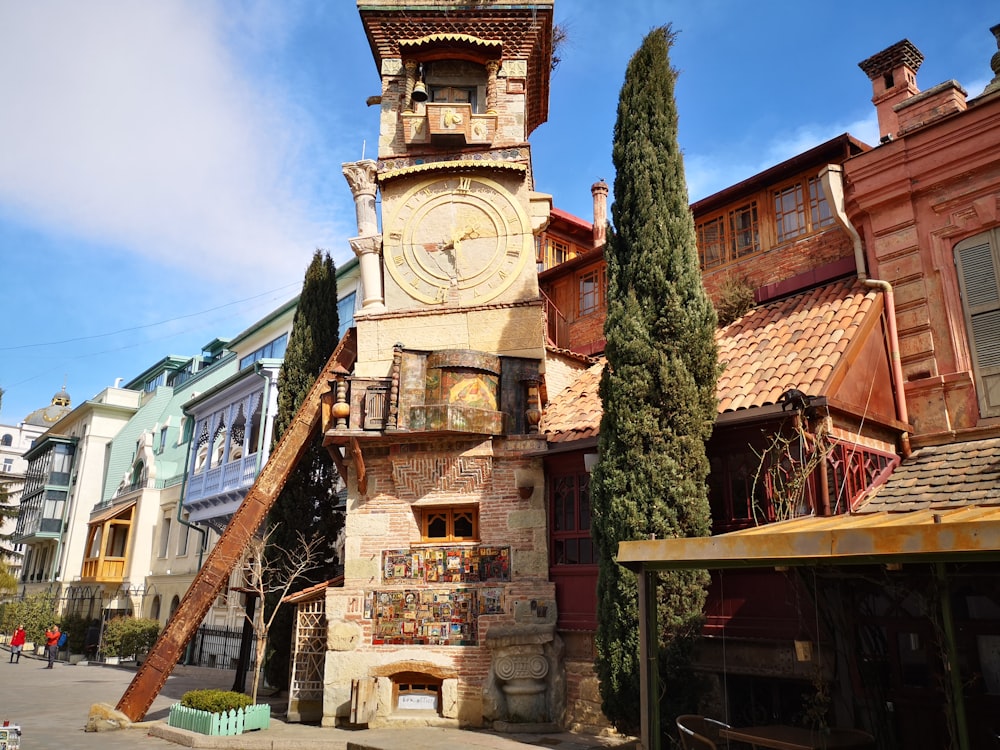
(75, 627)
(127, 636)
(215, 701)
(35, 612)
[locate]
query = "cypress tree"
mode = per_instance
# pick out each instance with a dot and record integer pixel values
(658, 389)
(307, 502)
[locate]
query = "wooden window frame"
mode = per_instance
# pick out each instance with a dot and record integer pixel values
(975, 258)
(597, 275)
(426, 515)
(565, 490)
(720, 233)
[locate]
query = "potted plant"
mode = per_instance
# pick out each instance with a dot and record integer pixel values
(219, 712)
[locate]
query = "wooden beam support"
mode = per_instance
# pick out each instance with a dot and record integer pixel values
(249, 517)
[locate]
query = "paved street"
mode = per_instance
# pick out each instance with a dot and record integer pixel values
(52, 707)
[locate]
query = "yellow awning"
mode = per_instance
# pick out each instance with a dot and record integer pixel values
(967, 533)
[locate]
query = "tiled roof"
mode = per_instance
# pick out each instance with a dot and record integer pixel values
(795, 342)
(575, 412)
(940, 477)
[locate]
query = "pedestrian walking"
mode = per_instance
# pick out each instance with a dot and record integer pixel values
(17, 644)
(52, 644)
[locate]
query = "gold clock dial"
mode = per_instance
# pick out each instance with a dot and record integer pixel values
(457, 240)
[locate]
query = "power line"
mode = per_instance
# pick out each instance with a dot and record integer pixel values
(146, 325)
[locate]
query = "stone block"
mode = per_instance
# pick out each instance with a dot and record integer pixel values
(449, 698)
(343, 636)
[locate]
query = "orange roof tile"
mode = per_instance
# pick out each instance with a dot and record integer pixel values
(796, 342)
(575, 412)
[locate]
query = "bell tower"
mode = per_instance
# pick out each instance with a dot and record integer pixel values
(446, 605)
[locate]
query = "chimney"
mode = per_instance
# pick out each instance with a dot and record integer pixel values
(893, 73)
(600, 192)
(994, 85)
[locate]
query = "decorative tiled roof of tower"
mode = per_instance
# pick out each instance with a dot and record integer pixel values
(524, 31)
(940, 477)
(796, 342)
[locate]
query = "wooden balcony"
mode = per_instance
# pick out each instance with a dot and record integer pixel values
(103, 569)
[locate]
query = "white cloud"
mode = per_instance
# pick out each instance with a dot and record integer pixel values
(130, 124)
(709, 173)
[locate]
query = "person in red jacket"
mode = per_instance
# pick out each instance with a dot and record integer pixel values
(17, 644)
(52, 644)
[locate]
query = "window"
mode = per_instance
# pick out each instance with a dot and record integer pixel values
(154, 608)
(163, 440)
(454, 95)
(272, 350)
(571, 541)
(712, 242)
(345, 312)
(165, 536)
(592, 288)
(550, 252)
(978, 262)
(768, 219)
(819, 209)
(6, 440)
(62, 462)
(449, 524)
(182, 539)
(8, 465)
(789, 212)
(744, 232)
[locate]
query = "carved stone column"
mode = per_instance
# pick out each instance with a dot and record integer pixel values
(492, 68)
(368, 244)
(361, 178)
(369, 252)
(408, 84)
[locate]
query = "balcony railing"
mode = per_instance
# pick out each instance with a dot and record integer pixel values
(449, 122)
(219, 480)
(357, 404)
(104, 570)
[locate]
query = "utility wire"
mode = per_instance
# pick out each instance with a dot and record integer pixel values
(146, 325)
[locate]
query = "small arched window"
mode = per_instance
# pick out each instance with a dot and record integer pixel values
(6, 440)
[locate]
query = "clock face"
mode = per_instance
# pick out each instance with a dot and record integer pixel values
(457, 240)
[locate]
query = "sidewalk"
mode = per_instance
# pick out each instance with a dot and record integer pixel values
(52, 706)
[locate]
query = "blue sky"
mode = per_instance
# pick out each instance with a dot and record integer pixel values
(167, 168)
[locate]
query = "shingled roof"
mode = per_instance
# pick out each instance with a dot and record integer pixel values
(796, 342)
(939, 477)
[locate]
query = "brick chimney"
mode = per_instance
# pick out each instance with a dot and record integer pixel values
(893, 73)
(600, 192)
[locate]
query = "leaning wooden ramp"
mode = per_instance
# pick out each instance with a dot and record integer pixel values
(214, 574)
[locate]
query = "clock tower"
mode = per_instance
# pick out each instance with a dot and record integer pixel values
(446, 613)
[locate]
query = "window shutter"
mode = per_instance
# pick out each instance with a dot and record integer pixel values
(977, 262)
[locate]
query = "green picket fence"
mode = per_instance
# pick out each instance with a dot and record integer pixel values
(227, 723)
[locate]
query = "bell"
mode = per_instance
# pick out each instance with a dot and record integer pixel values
(419, 92)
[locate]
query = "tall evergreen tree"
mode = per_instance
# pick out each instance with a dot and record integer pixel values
(658, 389)
(307, 501)
(7, 511)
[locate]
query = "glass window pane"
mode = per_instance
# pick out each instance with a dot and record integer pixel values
(437, 526)
(463, 525)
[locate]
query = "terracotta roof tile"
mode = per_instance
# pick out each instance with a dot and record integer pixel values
(575, 412)
(796, 342)
(939, 477)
